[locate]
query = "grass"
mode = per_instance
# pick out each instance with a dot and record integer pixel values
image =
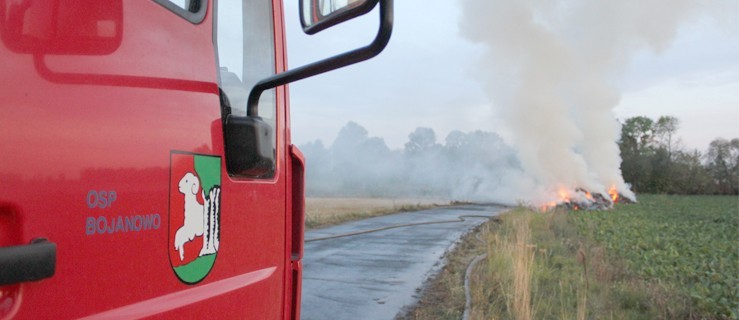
(667, 257)
(324, 212)
(688, 242)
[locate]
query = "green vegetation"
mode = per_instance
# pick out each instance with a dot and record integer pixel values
(689, 242)
(539, 266)
(666, 257)
(654, 161)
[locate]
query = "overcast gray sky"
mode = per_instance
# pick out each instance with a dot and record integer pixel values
(426, 77)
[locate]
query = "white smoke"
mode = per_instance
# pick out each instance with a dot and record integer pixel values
(472, 166)
(550, 67)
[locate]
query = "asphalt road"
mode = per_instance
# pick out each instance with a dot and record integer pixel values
(350, 273)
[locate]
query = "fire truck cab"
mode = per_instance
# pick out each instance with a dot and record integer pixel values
(146, 165)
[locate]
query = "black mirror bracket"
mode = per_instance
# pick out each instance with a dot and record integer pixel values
(249, 140)
(338, 61)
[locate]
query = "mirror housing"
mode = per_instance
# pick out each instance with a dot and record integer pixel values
(249, 148)
(81, 27)
(317, 15)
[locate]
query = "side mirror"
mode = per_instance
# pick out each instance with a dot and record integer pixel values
(249, 148)
(81, 27)
(317, 15)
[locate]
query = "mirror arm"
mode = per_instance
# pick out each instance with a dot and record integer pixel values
(328, 64)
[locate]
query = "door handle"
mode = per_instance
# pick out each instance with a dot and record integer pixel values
(30, 262)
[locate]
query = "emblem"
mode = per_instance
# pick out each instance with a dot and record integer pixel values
(194, 214)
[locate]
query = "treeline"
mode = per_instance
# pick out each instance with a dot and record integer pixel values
(466, 166)
(479, 165)
(654, 162)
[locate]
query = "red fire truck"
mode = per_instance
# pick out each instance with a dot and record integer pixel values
(146, 168)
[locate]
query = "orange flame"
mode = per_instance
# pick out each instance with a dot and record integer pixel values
(548, 206)
(564, 195)
(613, 193)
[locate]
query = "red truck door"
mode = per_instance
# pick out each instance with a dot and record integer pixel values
(113, 151)
(139, 175)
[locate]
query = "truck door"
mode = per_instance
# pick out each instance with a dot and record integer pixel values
(138, 177)
(113, 162)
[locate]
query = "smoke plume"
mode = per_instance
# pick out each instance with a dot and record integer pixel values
(472, 166)
(550, 68)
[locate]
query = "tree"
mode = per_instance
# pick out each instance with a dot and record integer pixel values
(649, 150)
(455, 140)
(723, 165)
(664, 131)
(361, 164)
(689, 175)
(637, 136)
(350, 136)
(420, 141)
(660, 176)
(318, 168)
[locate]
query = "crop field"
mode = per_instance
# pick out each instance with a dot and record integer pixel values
(666, 257)
(691, 242)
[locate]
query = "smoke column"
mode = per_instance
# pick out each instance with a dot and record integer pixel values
(549, 67)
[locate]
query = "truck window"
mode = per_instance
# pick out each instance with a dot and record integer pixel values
(246, 54)
(191, 10)
(186, 4)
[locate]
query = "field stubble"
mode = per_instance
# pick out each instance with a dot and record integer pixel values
(323, 212)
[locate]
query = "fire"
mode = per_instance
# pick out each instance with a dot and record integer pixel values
(564, 195)
(548, 206)
(582, 199)
(613, 193)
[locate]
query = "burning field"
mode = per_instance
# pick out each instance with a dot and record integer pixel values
(550, 71)
(581, 199)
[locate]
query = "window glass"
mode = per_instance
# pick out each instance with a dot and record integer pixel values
(246, 54)
(191, 10)
(184, 4)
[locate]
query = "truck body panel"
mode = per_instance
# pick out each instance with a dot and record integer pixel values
(92, 157)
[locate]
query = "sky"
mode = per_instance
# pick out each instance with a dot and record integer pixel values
(426, 77)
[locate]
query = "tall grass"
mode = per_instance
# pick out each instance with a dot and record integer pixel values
(509, 269)
(540, 267)
(522, 260)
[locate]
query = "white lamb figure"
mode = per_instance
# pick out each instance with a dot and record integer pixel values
(194, 214)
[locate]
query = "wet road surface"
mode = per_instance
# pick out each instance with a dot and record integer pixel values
(374, 275)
